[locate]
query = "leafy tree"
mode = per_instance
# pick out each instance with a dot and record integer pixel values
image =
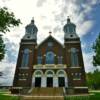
(93, 79)
(96, 47)
(7, 20)
(2, 48)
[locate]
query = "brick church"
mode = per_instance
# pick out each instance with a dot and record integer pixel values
(50, 64)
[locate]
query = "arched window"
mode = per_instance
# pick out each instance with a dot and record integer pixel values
(38, 73)
(39, 59)
(49, 73)
(74, 57)
(61, 73)
(50, 57)
(25, 58)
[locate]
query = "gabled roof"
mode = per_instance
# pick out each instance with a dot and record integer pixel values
(50, 36)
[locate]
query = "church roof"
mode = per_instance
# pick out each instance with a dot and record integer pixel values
(50, 37)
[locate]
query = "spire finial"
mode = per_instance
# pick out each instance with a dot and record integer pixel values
(32, 18)
(50, 32)
(68, 19)
(32, 21)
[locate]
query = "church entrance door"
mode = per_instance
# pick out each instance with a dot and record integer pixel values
(49, 81)
(61, 81)
(37, 81)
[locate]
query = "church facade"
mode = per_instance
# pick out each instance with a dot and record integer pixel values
(51, 64)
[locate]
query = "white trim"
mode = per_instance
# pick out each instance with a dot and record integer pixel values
(17, 87)
(55, 81)
(34, 74)
(77, 79)
(22, 79)
(50, 66)
(73, 42)
(43, 81)
(64, 73)
(49, 75)
(81, 87)
(75, 67)
(23, 67)
(27, 42)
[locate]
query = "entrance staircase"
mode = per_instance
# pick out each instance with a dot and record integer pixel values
(45, 94)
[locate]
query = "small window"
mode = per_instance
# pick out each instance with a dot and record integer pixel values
(76, 76)
(50, 44)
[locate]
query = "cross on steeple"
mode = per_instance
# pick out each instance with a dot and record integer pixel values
(50, 32)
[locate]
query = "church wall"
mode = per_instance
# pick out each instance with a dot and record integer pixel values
(56, 48)
(27, 72)
(77, 45)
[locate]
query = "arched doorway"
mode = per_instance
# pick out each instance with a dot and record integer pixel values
(49, 74)
(62, 78)
(37, 78)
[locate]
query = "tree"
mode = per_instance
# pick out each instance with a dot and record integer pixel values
(7, 20)
(96, 47)
(93, 79)
(2, 48)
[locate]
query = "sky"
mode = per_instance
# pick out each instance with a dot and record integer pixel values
(50, 15)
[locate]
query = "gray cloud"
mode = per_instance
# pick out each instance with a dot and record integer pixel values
(7, 66)
(57, 29)
(11, 50)
(40, 3)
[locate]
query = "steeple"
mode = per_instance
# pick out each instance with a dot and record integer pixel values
(68, 20)
(70, 29)
(31, 31)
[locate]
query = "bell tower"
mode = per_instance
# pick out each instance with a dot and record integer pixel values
(26, 57)
(70, 30)
(73, 55)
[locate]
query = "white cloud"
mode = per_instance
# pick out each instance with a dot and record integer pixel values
(50, 15)
(84, 27)
(87, 57)
(8, 69)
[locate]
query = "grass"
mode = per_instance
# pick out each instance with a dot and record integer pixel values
(8, 97)
(94, 96)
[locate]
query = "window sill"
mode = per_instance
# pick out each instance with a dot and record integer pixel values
(76, 79)
(24, 68)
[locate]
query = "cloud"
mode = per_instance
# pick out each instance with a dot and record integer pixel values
(7, 66)
(87, 57)
(86, 26)
(40, 3)
(8, 70)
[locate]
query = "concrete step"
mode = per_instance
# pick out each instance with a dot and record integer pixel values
(42, 98)
(47, 92)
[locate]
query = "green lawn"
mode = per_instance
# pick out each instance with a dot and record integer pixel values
(96, 96)
(7, 97)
